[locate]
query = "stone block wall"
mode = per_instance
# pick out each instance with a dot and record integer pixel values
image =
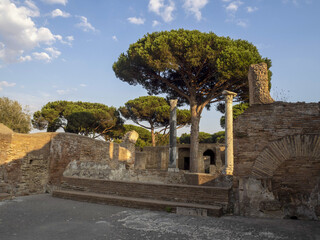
(277, 160)
(34, 163)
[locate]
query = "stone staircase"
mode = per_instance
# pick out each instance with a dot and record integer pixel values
(5, 191)
(211, 201)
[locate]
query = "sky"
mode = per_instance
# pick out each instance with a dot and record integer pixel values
(64, 49)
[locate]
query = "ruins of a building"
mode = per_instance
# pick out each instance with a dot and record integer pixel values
(277, 155)
(275, 172)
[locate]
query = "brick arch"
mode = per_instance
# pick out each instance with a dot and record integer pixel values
(295, 146)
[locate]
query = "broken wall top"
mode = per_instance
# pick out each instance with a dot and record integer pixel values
(5, 130)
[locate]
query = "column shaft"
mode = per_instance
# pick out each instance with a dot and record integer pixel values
(229, 131)
(173, 134)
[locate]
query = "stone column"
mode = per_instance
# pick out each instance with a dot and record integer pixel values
(173, 135)
(229, 132)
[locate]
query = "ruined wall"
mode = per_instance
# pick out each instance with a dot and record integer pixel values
(33, 163)
(277, 160)
(158, 157)
(277, 155)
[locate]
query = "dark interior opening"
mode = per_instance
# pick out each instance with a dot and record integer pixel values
(212, 156)
(186, 163)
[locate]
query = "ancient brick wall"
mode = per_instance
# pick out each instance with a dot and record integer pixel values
(33, 163)
(169, 192)
(277, 160)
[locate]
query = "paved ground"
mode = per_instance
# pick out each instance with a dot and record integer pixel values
(42, 217)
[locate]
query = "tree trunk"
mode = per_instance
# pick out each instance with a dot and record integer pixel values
(153, 137)
(194, 138)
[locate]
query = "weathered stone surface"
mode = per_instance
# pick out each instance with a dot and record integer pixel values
(192, 211)
(131, 137)
(102, 170)
(279, 144)
(272, 205)
(259, 84)
(34, 163)
(5, 130)
(229, 132)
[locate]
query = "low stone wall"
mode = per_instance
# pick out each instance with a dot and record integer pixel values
(277, 160)
(168, 192)
(102, 170)
(33, 163)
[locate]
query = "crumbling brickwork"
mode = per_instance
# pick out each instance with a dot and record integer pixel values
(259, 84)
(279, 145)
(33, 163)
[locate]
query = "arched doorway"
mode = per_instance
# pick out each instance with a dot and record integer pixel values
(209, 158)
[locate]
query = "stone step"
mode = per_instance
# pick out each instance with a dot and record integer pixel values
(5, 196)
(217, 196)
(131, 202)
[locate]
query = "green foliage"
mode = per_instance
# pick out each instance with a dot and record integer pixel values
(190, 66)
(179, 62)
(13, 116)
(218, 137)
(144, 135)
(237, 110)
(89, 119)
(152, 109)
(204, 137)
(168, 209)
(156, 112)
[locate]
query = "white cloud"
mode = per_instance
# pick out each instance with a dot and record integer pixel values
(32, 8)
(42, 56)
(53, 52)
(63, 2)
(25, 58)
(50, 54)
(155, 6)
(155, 23)
(233, 6)
(63, 92)
(85, 25)
(19, 33)
(241, 23)
(70, 38)
(115, 38)
(135, 20)
(165, 11)
(66, 91)
(6, 84)
(83, 85)
(58, 13)
(251, 9)
(194, 7)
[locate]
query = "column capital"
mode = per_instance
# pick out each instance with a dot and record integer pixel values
(173, 104)
(226, 93)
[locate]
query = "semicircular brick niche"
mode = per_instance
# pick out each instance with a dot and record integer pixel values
(290, 148)
(293, 166)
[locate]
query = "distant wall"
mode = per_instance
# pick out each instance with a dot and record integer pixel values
(33, 163)
(277, 160)
(158, 157)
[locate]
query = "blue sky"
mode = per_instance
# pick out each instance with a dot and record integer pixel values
(64, 49)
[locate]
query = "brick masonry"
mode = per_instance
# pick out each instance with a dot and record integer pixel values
(34, 163)
(277, 160)
(167, 192)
